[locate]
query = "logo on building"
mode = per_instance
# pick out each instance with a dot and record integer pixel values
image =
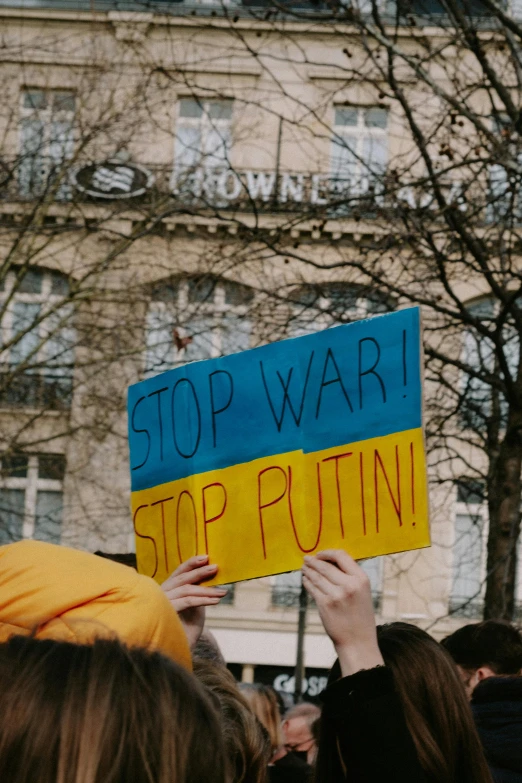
(112, 179)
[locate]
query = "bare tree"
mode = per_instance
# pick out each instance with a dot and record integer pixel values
(420, 106)
(400, 124)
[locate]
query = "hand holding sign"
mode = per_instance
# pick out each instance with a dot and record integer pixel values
(188, 597)
(342, 592)
(261, 457)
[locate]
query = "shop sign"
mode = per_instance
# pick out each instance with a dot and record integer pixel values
(112, 180)
(282, 679)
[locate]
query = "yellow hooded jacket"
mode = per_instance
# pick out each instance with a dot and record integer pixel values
(61, 593)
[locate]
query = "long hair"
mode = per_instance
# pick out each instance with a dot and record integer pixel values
(263, 701)
(103, 714)
(436, 710)
(246, 739)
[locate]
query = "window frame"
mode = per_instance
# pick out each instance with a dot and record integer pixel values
(216, 309)
(205, 124)
(39, 363)
(43, 157)
(31, 484)
(359, 132)
(324, 307)
(469, 607)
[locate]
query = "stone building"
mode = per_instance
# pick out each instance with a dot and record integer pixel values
(142, 148)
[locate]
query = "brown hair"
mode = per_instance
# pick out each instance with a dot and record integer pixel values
(263, 701)
(246, 740)
(436, 709)
(101, 714)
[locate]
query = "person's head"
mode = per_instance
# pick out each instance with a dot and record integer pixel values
(103, 712)
(298, 736)
(207, 648)
(436, 709)
(263, 701)
(246, 740)
(481, 650)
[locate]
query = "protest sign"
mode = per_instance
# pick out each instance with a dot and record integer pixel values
(261, 457)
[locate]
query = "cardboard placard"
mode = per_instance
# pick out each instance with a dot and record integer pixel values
(261, 457)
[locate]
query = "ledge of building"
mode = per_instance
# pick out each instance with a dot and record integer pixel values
(270, 647)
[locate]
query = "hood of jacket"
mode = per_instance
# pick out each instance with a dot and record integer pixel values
(59, 593)
(497, 708)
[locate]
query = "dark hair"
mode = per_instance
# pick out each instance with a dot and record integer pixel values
(207, 649)
(436, 709)
(103, 713)
(492, 643)
(246, 739)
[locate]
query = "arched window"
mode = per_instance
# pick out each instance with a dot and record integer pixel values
(479, 397)
(316, 307)
(37, 356)
(468, 551)
(196, 318)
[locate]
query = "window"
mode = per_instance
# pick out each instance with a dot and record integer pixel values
(505, 196)
(36, 367)
(293, 5)
(286, 587)
(320, 306)
(437, 8)
(201, 150)
(196, 318)
(31, 497)
(359, 153)
(468, 551)
(480, 354)
(46, 141)
(374, 570)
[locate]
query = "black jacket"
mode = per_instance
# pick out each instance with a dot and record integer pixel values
(289, 769)
(363, 713)
(497, 707)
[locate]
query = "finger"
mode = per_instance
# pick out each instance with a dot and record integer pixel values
(317, 580)
(194, 602)
(184, 590)
(188, 565)
(312, 590)
(194, 576)
(327, 569)
(341, 559)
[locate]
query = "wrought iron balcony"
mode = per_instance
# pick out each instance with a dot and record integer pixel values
(35, 390)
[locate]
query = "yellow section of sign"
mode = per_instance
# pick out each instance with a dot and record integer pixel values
(259, 518)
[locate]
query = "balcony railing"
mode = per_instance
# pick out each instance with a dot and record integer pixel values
(335, 9)
(35, 390)
(181, 7)
(196, 189)
(471, 609)
(288, 597)
(221, 188)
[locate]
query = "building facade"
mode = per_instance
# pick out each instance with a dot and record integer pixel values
(148, 157)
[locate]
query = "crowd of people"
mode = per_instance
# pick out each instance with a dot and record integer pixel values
(106, 677)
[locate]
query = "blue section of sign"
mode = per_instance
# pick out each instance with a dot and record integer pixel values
(349, 383)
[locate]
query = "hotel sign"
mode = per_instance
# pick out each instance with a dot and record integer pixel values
(112, 180)
(228, 186)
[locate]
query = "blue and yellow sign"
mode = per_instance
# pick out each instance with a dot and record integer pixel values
(261, 457)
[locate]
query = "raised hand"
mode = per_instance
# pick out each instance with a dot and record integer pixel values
(188, 597)
(342, 592)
